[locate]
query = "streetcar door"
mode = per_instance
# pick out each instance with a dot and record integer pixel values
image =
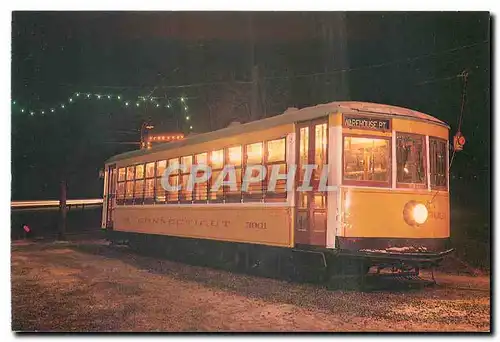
(312, 149)
(110, 196)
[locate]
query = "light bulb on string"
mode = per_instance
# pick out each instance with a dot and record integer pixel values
(32, 113)
(43, 112)
(77, 94)
(98, 96)
(109, 97)
(168, 105)
(13, 102)
(187, 118)
(182, 99)
(190, 127)
(186, 108)
(52, 110)
(126, 103)
(137, 104)
(119, 97)
(88, 95)
(22, 110)
(62, 106)
(157, 105)
(70, 99)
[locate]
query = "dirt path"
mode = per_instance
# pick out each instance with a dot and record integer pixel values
(93, 287)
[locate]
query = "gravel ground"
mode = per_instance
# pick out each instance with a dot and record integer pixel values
(89, 286)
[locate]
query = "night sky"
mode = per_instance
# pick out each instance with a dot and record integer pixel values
(303, 58)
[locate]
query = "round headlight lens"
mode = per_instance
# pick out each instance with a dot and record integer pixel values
(420, 213)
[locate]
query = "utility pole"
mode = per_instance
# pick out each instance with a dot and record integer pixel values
(254, 102)
(62, 210)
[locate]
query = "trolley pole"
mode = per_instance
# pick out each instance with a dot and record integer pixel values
(62, 211)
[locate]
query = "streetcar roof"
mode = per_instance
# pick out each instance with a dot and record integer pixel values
(289, 116)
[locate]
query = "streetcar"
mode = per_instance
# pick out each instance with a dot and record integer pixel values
(385, 204)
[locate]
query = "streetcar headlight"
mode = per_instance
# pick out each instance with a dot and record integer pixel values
(415, 213)
(420, 213)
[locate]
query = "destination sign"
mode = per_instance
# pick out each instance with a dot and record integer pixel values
(367, 123)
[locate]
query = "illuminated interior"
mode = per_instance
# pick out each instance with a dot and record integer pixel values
(366, 159)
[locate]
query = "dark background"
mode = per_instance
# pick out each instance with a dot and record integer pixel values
(409, 59)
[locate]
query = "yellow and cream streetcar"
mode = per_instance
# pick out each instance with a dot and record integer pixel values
(387, 201)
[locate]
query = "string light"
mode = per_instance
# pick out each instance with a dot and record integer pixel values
(156, 102)
(190, 127)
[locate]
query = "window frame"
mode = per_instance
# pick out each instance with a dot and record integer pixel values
(139, 200)
(181, 176)
(212, 178)
(374, 184)
(274, 196)
(149, 200)
(170, 176)
(405, 185)
(129, 200)
(246, 196)
(196, 186)
(446, 165)
(233, 197)
(158, 177)
(121, 200)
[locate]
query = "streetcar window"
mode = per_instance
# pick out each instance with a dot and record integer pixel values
(276, 150)
(276, 159)
(173, 180)
(437, 157)
(150, 170)
(200, 189)
(139, 171)
(138, 191)
(217, 159)
(234, 158)
(130, 172)
(185, 194)
(253, 156)
(149, 184)
(216, 163)
(149, 188)
(121, 174)
(161, 165)
(320, 149)
(410, 154)
(366, 161)
(129, 194)
(120, 193)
